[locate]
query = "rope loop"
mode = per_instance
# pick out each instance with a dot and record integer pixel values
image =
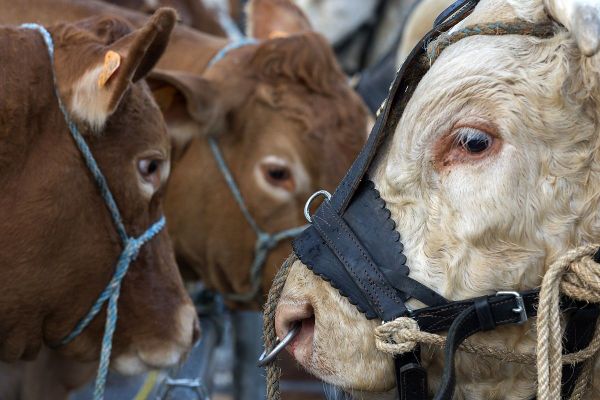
(397, 336)
(576, 275)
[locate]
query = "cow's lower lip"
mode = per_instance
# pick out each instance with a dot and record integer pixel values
(301, 346)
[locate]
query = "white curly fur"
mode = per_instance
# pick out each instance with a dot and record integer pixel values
(475, 228)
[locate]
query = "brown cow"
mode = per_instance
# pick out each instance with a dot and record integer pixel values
(191, 12)
(265, 104)
(59, 244)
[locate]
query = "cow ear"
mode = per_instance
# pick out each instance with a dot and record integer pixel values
(268, 19)
(190, 105)
(581, 18)
(98, 92)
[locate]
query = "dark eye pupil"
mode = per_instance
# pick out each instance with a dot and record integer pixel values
(278, 174)
(475, 143)
(152, 167)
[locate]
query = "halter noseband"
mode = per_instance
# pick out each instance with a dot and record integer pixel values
(131, 245)
(352, 242)
(265, 242)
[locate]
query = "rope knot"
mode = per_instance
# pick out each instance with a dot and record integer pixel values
(397, 336)
(581, 280)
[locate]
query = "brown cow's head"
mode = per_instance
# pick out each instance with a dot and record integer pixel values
(490, 176)
(193, 13)
(288, 124)
(59, 243)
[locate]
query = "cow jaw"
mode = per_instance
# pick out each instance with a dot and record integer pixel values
(155, 354)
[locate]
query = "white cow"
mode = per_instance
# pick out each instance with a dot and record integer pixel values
(492, 173)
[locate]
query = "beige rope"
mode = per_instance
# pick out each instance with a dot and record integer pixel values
(581, 277)
(577, 275)
(270, 336)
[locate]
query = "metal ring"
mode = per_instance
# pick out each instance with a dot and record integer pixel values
(265, 358)
(312, 198)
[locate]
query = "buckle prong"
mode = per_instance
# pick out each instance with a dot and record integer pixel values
(520, 309)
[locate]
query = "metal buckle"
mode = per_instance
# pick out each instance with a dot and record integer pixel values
(520, 309)
(312, 198)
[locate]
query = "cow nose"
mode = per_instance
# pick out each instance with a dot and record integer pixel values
(293, 312)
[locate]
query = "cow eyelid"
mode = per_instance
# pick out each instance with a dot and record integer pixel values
(472, 139)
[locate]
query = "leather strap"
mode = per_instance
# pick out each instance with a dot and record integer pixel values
(361, 268)
(361, 255)
(485, 313)
(409, 76)
(440, 318)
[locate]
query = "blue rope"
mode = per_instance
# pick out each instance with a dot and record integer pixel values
(265, 242)
(236, 44)
(131, 246)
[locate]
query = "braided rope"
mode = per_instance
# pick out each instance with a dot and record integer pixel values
(578, 276)
(265, 242)
(131, 246)
(582, 282)
(541, 30)
(269, 334)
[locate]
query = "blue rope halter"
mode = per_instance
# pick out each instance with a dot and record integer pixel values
(131, 245)
(265, 242)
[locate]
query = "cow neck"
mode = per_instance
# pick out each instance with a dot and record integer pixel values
(352, 242)
(131, 245)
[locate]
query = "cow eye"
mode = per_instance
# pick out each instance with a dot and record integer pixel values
(149, 170)
(473, 140)
(278, 175)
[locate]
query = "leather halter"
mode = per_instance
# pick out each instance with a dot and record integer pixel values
(352, 243)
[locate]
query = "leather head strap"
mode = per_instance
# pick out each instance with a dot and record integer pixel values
(352, 242)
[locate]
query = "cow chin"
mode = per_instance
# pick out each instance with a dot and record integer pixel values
(341, 349)
(153, 353)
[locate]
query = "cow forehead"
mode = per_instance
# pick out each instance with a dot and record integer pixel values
(478, 76)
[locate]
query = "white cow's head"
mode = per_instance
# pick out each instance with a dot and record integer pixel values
(492, 172)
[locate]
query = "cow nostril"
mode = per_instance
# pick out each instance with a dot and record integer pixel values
(290, 313)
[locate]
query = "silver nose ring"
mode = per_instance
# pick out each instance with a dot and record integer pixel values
(265, 358)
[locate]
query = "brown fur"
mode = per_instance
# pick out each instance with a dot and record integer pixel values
(59, 243)
(191, 12)
(267, 99)
(285, 97)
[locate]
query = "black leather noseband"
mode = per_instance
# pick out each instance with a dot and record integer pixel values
(353, 244)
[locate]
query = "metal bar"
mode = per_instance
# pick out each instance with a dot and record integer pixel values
(249, 380)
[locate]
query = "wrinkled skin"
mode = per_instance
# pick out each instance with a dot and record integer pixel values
(475, 222)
